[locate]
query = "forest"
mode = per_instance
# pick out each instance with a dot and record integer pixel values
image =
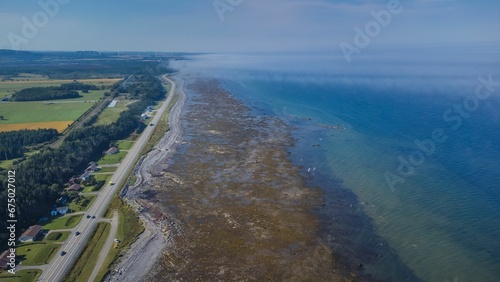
(44, 93)
(13, 143)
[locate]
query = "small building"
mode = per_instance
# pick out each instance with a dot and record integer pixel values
(62, 210)
(4, 260)
(63, 200)
(31, 234)
(72, 181)
(53, 213)
(74, 187)
(85, 176)
(112, 151)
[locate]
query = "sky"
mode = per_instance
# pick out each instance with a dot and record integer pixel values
(243, 25)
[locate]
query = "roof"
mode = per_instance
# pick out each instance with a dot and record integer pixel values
(112, 150)
(4, 260)
(32, 231)
(74, 187)
(62, 209)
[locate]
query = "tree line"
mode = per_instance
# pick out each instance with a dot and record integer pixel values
(65, 91)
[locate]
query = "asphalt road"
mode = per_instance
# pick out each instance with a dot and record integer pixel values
(74, 245)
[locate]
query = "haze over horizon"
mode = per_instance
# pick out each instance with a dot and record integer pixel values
(246, 26)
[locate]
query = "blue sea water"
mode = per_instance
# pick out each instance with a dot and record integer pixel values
(397, 210)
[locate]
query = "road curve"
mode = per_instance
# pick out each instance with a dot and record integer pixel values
(74, 245)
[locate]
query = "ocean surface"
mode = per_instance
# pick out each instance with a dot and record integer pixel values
(406, 153)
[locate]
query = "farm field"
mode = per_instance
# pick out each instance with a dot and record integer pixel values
(8, 87)
(110, 115)
(46, 114)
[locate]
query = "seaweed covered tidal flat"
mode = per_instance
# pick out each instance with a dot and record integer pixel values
(240, 208)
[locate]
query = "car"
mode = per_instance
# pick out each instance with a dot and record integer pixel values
(88, 216)
(116, 240)
(93, 216)
(151, 124)
(111, 183)
(77, 233)
(63, 253)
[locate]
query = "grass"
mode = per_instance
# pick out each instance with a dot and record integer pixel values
(112, 159)
(26, 275)
(132, 180)
(106, 169)
(36, 253)
(110, 115)
(83, 204)
(129, 228)
(125, 145)
(59, 236)
(7, 164)
(82, 269)
(65, 222)
(37, 112)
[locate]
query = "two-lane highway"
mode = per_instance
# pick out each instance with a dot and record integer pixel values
(61, 264)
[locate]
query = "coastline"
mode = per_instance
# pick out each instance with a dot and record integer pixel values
(181, 247)
(135, 264)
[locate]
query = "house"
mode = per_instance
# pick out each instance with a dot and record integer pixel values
(85, 176)
(112, 151)
(72, 181)
(62, 210)
(31, 234)
(53, 213)
(74, 187)
(4, 260)
(92, 167)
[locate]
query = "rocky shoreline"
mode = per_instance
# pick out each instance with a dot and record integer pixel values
(230, 205)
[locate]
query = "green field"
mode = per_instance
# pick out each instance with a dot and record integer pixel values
(30, 112)
(59, 236)
(65, 222)
(27, 275)
(125, 145)
(83, 204)
(110, 115)
(36, 253)
(112, 159)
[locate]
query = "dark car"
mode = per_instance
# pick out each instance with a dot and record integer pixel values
(77, 233)
(93, 216)
(63, 253)
(88, 216)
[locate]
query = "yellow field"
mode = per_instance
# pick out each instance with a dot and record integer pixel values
(59, 125)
